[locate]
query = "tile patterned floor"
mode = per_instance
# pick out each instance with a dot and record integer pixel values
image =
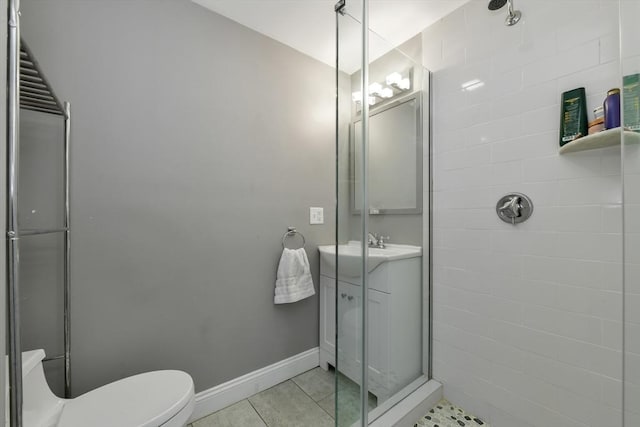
(445, 414)
(306, 400)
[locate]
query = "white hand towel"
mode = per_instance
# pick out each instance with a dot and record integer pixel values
(293, 281)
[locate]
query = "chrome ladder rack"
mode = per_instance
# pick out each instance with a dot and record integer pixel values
(27, 88)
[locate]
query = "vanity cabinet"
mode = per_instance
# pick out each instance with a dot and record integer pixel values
(395, 319)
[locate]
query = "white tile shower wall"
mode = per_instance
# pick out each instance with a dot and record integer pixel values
(527, 319)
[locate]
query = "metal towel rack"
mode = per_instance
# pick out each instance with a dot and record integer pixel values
(27, 88)
(291, 232)
(35, 91)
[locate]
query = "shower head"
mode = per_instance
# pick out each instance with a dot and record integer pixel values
(514, 15)
(497, 4)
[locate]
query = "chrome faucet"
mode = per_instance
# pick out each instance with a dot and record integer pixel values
(375, 240)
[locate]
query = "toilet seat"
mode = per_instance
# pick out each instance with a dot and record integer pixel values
(152, 399)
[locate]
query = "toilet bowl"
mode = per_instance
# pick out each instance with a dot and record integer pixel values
(152, 399)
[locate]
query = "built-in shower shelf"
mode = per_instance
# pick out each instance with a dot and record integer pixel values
(607, 138)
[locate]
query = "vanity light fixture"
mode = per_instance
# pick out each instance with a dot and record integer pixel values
(396, 84)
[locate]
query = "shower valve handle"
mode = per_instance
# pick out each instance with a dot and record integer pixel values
(512, 207)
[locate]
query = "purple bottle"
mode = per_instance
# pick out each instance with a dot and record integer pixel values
(612, 109)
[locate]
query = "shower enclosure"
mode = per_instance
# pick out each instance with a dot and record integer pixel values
(525, 323)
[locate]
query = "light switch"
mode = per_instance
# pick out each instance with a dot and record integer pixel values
(316, 215)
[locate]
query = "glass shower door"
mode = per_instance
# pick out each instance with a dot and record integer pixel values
(630, 50)
(381, 267)
(346, 282)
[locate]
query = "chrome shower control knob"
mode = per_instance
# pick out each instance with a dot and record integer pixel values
(514, 208)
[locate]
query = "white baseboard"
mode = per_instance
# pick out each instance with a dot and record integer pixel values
(223, 395)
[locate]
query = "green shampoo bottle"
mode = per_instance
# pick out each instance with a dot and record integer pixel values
(573, 120)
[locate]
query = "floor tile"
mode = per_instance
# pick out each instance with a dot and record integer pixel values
(317, 383)
(349, 406)
(445, 414)
(239, 414)
(286, 405)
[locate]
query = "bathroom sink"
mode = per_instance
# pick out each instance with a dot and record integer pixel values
(350, 256)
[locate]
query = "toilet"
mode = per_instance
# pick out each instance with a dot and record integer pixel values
(152, 399)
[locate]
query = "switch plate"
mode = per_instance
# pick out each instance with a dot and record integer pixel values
(316, 216)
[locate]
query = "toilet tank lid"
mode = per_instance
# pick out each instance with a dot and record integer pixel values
(31, 359)
(144, 400)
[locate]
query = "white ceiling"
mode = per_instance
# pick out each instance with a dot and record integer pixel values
(309, 25)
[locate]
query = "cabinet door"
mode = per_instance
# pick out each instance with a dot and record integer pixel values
(350, 335)
(378, 306)
(349, 329)
(328, 314)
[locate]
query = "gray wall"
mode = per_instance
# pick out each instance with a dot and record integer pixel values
(196, 142)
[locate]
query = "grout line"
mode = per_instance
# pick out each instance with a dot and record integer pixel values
(300, 387)
(260, 415)
(257, 412)
(302, 390)
(327, 412)
(314, 402)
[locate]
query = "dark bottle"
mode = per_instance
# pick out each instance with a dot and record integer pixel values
(612, 109)
(573, 119)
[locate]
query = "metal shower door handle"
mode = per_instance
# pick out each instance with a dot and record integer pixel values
(514, 208)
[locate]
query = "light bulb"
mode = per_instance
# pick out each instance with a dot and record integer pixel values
(405, 84)
(394, 78)
(387, 92)
(372, 100)
(375, 89)
(356, 96)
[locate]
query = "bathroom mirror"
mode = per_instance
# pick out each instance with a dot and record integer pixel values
(395, 158)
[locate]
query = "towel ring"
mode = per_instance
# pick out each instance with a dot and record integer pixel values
(291, 231)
